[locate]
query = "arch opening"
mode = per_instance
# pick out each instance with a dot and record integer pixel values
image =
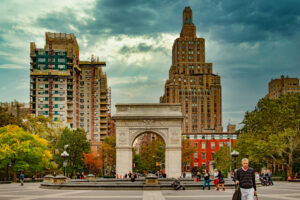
(149, 154)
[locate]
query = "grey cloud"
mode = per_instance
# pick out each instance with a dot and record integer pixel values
(140, 48)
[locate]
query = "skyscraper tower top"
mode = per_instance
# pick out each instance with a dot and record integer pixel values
(188, 28)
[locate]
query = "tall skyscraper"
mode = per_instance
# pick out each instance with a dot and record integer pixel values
(68, 90)
(192, 81)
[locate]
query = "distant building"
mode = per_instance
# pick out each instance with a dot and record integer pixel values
(16, 108)
(284, 85)
(192, 82)
(207, 144)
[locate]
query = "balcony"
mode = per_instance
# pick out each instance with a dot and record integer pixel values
(50, 72)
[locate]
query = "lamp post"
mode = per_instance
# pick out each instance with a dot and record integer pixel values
(235, 154)
(9, 166)
(65, 155)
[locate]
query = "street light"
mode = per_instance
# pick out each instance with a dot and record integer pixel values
(65, 155)
(235, 154)
(9, 166)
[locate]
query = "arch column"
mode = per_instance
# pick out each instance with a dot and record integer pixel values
(123, 160)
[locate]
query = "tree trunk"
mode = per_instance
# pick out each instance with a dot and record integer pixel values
(15, 176)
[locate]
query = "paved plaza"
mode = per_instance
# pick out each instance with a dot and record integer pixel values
(281, 190)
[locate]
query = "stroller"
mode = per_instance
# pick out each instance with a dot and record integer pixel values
(177, 185)
(264, 181)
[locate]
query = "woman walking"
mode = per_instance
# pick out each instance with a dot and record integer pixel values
(221, 179)
(216, 179)
(206, 179)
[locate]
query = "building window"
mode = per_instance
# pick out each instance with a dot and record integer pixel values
(212, 145)
(203, 155)
(203, 145)
(196, 155)
(188, 168)
(196, 144)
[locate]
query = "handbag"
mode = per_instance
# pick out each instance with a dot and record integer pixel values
(237, 195)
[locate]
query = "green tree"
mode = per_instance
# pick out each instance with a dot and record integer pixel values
(25, 152)
(45, 128)
(138, 165)
(222, 160)
(150, 158)
(78, 144)
(271, 132)
(186, 152)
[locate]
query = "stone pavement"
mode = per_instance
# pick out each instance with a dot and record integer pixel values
(31, 191)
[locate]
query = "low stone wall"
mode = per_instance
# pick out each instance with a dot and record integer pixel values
(126, 184)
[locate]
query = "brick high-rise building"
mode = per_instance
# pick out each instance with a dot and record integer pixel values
(284, 85)
(93, 100)
(192, 82)
(66, 89)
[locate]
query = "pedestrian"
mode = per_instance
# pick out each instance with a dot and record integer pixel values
(133, 177)
(216, 179)
(221, 180)
(129, 174)
(270, 177)
(82, 175)
(22, 177)
(198, 176)
(78, 175)
(257, 177)
(206, 177)
(126, 175)
(245, 177)
(183, 174)
(177, 185)
(54, 174)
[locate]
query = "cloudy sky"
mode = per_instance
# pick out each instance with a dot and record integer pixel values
(248, 42)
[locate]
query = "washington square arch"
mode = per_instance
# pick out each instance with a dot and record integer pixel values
(132, 120)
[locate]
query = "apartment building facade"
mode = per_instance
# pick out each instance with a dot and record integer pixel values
(56, 80)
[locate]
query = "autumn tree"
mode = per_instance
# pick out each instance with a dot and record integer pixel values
(107, 153)
(92, 162)
(24, 151)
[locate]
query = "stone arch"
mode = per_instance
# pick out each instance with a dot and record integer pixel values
(132, 120)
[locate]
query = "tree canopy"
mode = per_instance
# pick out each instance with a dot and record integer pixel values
(78, 144)
(271, 132)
